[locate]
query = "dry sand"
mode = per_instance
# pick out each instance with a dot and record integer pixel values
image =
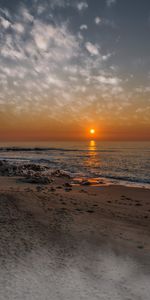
(90, 242)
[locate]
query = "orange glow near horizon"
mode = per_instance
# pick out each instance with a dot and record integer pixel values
(30, 129)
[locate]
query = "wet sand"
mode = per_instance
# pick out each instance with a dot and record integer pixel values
(73, 242)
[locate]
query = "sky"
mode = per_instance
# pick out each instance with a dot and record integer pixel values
(68, 66)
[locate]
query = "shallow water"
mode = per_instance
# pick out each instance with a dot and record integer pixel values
(120, 162)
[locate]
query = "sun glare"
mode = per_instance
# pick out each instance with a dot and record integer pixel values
(92, 131)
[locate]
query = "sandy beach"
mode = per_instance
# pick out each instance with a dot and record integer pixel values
(74, 150)
(64, 241)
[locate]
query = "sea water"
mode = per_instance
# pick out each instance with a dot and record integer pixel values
(125, 163)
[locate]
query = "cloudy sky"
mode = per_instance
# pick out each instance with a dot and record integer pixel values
(68, 65)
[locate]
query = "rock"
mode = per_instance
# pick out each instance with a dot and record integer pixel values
(67, 185)
(90, 211)
(10, 169)
(39, 188)
(86, 182)
(100, 182)
(37, 180)
(59, 173)
(68, 189)
(52, 189)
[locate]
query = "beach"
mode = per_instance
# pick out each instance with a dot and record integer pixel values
(70, 241)
(74, 150)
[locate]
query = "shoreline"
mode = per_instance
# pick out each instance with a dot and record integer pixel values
(113, 182)
(47, 171)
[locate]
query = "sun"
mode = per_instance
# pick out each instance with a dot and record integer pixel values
(92, 131)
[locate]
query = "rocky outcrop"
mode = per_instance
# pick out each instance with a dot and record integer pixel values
(11, 169)
(60, 173)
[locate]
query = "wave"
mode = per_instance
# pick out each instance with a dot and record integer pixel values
(113, 179)
(126, 179)
(36, 149)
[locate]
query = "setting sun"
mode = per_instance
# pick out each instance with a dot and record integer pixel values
(92, 131)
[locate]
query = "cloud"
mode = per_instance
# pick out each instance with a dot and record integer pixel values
(47, 64)
(18, 27)
(57, 41)
(40, 9)
(4, 23)
(84, 27)
(109, 3)
(5, 13)
(92, 49)
(82, 5)
(106, 56)
(44, 41)
(56, 81)
(97, 20)
(26, 15)
(108, 80)
(10, 50)
(43, 34)
(18, 72)
(104, 22)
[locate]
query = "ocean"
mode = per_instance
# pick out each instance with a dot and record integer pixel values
(126, 163)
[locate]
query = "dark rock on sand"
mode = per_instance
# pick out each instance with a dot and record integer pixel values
(100, 182)
(36, 180)
(78, 209)
(59, 173)
(68, 189)
(10, 169)
(67, 184)
(85, 182)
(52, 189)
(39, 188)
